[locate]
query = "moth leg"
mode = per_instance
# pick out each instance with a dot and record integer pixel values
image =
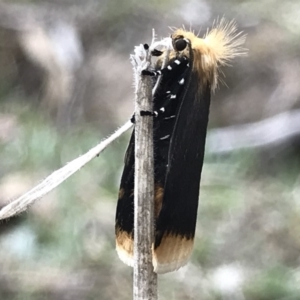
(132, 119)
(156, 52)
(144, 113)
(148, 113)
(173, 67)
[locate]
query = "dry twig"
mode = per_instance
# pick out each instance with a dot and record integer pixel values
(56, 178)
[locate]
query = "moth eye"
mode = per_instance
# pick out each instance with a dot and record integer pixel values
(156, 52)
(180, 44)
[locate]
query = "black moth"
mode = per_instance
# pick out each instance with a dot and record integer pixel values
(181, 109)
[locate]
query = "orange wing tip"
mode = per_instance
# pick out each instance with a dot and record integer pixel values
(173, 253)
(124, 247)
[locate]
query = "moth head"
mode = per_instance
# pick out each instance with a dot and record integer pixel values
(217, 48)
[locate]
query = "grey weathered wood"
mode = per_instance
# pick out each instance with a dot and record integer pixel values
(144, 278)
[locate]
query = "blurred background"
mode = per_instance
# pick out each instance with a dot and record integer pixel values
(66, 82)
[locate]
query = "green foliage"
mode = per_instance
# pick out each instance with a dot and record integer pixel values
(273, 284)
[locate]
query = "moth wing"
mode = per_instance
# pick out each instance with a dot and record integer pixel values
(125, 208)
(175, 227)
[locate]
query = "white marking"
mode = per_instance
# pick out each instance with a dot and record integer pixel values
(177, 62)
(169, 68)
(168, 92)
(181, 82)
(162, 109)
(173, 97)
(165, 137)
(155, 113)
(171, 117)
(158, 72)
(188, 65)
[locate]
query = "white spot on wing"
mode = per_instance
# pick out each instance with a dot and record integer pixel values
(165, 137)
(162, 109)
(173, 97)
(177, 62)
(181, 82)
(169, 68)
(171, 117)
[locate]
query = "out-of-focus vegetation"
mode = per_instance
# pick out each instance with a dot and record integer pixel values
(65, 83)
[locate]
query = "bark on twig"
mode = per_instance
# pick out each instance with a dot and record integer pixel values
(145, 280)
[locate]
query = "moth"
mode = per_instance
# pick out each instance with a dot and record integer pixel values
(181, 110)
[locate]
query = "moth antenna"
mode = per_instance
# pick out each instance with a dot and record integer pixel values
(223, 82)
(172, 28)
(153, 36)
(222, 73)
(225, 41)
(207, 30)
(199, 31)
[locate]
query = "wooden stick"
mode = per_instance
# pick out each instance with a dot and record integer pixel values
(144, 278)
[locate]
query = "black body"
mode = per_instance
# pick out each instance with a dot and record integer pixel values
(179, 140)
